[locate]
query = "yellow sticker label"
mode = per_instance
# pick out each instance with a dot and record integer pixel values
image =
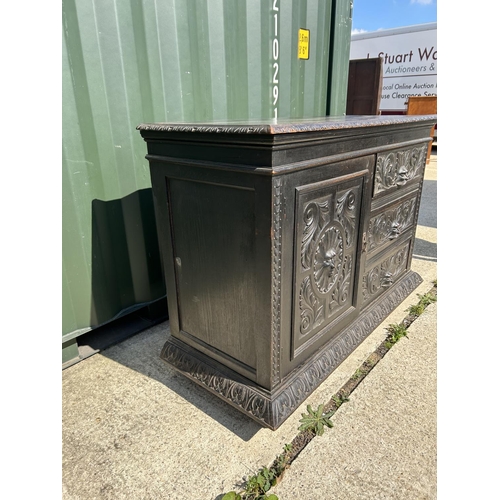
(303, 44)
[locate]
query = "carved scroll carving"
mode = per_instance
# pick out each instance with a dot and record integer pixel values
(340, 293)
(346, 214)
(396, 168)
(327, 244)
(316, 216)
(240, 395)
(312, 312)
(390, 224)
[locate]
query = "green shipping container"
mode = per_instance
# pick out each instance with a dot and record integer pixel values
(131, 61)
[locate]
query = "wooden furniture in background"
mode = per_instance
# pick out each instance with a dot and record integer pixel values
(364, 87)
(423, 105)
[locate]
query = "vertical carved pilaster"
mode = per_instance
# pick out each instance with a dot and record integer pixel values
(276, 276)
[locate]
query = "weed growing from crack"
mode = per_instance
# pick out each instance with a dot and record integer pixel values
(416, 310)
(359, 373)
(231, 495)
(395, 332)
(423, 302)
(281, 462)
(339, 399)
(313, 423)
(258, 485)
(370, 363)
(316, 420)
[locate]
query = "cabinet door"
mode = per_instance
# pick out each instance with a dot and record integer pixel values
(326, 251)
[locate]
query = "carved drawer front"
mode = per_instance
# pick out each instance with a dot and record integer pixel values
(388, 225)
(395, 169)
(326, 238)
(384, 272)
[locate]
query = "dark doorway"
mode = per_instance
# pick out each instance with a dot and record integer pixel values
(364, 86)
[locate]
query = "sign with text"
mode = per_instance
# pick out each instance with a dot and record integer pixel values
(303, 50)
(409, 57)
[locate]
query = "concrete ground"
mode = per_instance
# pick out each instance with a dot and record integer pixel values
(135, 429)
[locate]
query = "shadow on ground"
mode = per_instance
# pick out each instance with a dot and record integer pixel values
(427, 215)
(141, 353)
(425, 250)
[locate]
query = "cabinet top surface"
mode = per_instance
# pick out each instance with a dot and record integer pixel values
(287, 126)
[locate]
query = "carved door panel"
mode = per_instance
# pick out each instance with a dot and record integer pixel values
(326, 241)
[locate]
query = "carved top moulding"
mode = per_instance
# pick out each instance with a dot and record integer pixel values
(286, 126)
(281, 146)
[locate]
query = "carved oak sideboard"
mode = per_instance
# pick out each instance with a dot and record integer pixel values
(284, 245)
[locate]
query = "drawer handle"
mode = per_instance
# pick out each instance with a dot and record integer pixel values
(403, 175)
(395, 230)
(386, 280)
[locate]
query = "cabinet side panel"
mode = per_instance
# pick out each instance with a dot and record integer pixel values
(215, 265)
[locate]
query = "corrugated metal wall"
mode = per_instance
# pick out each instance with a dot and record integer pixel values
(340, 43)
(132, 61)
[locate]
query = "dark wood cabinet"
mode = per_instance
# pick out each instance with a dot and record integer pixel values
(284, 245)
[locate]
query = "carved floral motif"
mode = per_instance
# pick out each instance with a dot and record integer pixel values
(396, 168)
(328, 259)
(383, 275)
(390, 224)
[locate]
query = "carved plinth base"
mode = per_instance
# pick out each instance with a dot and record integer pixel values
(272, 408)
